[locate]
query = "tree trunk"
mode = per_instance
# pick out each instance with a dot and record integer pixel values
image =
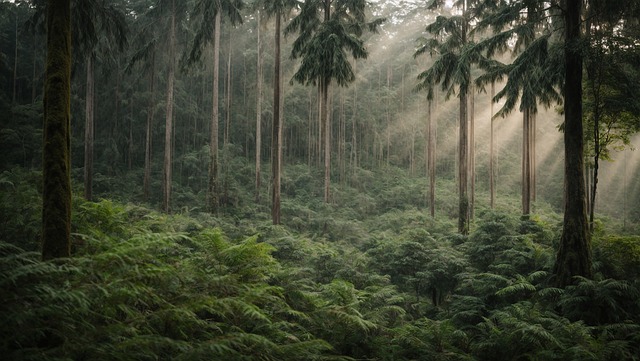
(146, 183)
(212, 191)
(34, 69)
(56, 195)
(431, 159)
(229, 94)
(472, 153)
(492, 171)
(574, 253)
(326, 121)
(258, 114)
(15, 64)
(463, 152)
(526, 162)
(168, 130)
(353, 164)
(276, 137)
(89, 130)
(532, 139)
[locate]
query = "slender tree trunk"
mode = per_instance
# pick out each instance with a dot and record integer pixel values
(472, 153)
(146, 183)
(89, 130)
(212, 191)
(33, 75)
(532, 122)
(343, 141)
(56, 195)
(229, 94)
(130, 140)
(310, 142)
(258, 114)
(492, 155)
(574, 253)
(354, 123)
(526, 162)
(320, 123)
(15, 64)
(326, 121)
(431, 159)
(276, 145)
(389, 76)
(168, 131)
(463, 151)
(596, 167)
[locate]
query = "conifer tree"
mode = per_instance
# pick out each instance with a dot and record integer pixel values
(56, 195)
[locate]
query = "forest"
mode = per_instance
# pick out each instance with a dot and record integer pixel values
(319, 180)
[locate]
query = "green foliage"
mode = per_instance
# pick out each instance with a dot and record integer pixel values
(133, 294)
(618, 256)
(20, 208)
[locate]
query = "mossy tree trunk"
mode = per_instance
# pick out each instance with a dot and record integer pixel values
(56, 195)
(574, 253)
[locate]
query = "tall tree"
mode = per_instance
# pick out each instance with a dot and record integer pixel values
(574, 253)
(208, 14)
(167, 164)
(431, 155)
(277, 9)
(157, 18)
(492, 151)
(56, 195)
(101, 31)
(452, 69)
(532, 76)
(328, 29)
(611, 109)
(258, 109)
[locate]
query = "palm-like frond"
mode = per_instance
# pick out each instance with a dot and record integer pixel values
(324, 45)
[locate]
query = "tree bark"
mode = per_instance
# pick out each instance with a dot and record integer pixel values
(463, 152)
(146, 182)
(526, 162)
(56, 195)
(574, 253)
(227, 123)
(15, 64)
(258, 114)
(431, 158)
(212, 191)
(276, 145)
(326, 121)
(168, 131)
(492, 171)
(472, 153)
(89, 127)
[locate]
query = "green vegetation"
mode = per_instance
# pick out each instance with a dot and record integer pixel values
(345, 281)
(370, 246)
